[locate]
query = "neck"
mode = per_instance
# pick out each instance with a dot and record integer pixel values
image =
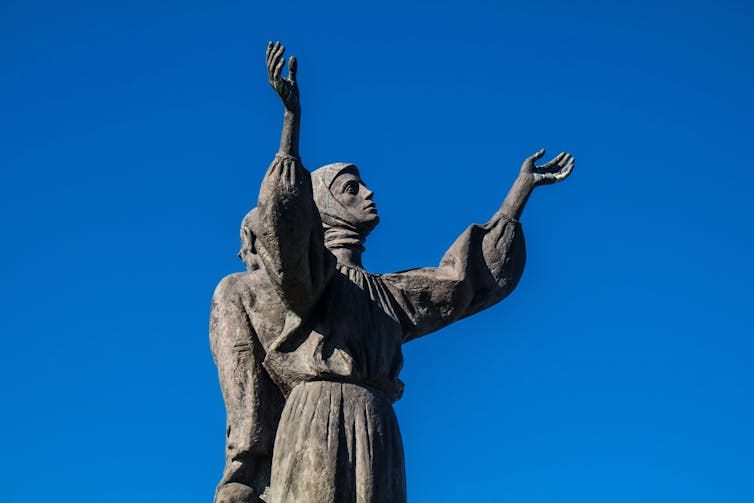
(347, 244)
(349, 256)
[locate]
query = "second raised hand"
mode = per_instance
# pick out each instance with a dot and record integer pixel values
(286, 87)
(553, 171)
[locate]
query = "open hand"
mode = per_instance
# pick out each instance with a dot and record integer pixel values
(287, 88)
(553, 171)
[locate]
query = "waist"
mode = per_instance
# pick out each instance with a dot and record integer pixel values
(352, 390)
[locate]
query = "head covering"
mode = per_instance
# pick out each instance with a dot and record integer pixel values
(247, 254)
(340, 229)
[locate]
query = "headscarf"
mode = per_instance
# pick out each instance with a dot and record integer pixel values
(247, 254)
(340, 231)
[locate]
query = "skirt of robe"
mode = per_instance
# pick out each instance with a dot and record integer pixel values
(337, 443)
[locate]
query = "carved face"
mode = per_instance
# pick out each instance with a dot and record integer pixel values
(351, 192)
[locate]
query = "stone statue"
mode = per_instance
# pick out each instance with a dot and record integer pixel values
(308, 344)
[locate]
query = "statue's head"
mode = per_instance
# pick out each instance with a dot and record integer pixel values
(345, 205)
(248, 251)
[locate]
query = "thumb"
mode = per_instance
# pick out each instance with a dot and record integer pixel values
(292, 67)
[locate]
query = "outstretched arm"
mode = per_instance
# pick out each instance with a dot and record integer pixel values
(481, 268)
(532, 176)
(287, 89)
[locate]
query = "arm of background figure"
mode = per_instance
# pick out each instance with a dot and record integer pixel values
(253, 403)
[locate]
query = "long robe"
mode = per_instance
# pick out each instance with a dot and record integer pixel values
(338, 355)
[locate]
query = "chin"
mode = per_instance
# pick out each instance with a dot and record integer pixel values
(370, 222)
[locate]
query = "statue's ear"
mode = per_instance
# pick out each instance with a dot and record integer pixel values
(252, 242)
(245, 236)
(248, 240)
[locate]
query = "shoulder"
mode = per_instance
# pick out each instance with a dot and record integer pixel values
(244, 287)
(233, 287)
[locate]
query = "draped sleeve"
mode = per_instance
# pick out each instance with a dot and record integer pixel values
(289, 235)
(479, 270)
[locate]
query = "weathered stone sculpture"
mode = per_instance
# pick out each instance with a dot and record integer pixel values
(308, 344)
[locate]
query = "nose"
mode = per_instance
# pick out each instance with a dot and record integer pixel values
(369, 193)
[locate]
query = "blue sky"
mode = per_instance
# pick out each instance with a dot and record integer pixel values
(134, 139)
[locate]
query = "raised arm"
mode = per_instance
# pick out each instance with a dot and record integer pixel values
(288, 228)
(481, 268)
(287, 89)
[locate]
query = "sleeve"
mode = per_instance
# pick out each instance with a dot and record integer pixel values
(253, 403)
(479, 270)
(290, 236)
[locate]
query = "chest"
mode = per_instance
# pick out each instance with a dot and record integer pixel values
(357, 306)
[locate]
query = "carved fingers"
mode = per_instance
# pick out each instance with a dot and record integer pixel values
(549, 166)
(536, 155)
(286, 88)
(554, 171)
(274, 58)
(292, 67)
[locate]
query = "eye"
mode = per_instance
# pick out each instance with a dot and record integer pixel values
(351, 188)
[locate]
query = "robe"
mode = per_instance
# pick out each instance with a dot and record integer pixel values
(337, 356)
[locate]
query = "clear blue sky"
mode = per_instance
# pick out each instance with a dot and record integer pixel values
(134, 138)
